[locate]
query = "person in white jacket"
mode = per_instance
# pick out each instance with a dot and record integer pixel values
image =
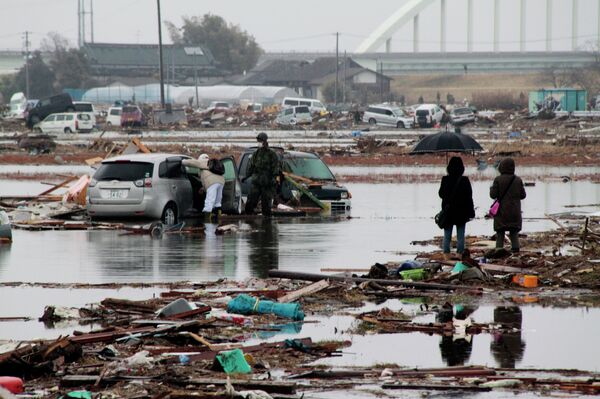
(211, 183)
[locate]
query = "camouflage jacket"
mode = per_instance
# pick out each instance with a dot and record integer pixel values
(264, 167)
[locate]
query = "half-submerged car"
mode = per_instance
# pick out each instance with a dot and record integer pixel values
(309, 167)
(155, 186)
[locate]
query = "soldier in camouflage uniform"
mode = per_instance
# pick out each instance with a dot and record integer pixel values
(263, 168)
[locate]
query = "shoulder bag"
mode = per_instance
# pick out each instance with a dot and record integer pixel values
(496, 204)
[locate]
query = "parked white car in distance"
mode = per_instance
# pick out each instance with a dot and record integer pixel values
(86, 107)
(315, 106)
(67, 122)
(113, 117)
(427, 115)
(384, 114)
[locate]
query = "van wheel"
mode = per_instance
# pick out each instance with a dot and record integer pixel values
(68, 130)
(372, 122)
(169, 215)
(400, 125)
(108, 124)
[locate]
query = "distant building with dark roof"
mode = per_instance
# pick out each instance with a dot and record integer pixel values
(309, 78)
(140, 62)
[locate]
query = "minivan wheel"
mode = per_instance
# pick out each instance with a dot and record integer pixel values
(169, 215)
(68, 130)
(372, 121)
(400, 125)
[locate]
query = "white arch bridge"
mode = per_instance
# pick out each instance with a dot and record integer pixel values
(412, 8)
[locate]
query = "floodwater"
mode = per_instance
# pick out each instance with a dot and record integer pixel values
(386, 218)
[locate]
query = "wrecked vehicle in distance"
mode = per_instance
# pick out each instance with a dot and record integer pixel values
(461, 116)
(306, 165)
(155, 186)
(294, 116)
(387, 115)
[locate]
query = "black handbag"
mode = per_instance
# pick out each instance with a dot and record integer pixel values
(442, 216)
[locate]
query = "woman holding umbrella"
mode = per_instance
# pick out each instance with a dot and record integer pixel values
(457, 197)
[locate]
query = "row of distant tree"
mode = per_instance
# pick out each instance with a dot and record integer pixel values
(64, 66)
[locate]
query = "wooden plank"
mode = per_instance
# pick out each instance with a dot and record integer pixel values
(304, 191)
(404, 283)
(59, 185)
(309, 289)
(138, 143)
(505, 269)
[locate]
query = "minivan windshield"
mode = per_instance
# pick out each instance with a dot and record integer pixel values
(311, 168)
(124, 171)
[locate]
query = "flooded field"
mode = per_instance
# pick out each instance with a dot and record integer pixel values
(386, 218)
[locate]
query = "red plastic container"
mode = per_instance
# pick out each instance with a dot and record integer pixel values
(12, 384)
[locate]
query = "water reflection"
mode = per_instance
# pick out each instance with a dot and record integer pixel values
(508, 347)
(455, 348)
(264, 247)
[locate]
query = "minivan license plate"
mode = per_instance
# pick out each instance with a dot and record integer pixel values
(115, 194)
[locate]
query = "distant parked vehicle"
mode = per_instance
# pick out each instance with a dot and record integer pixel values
(68, 122)
(51, 105)
(384, 114)
(155, 186)
(218, 106)
(113, 116)
(460, 116)
(131, 116)
(18, 106)
(315, 106)
(428, 115)
(294, 116)
(88, 108)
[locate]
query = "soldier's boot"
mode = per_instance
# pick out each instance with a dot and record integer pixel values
(206, 217)
(216, 215)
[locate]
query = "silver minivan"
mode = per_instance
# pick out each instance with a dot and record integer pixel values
(155, 186)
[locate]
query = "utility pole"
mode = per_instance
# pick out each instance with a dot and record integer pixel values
(160, 56)
(82, 23)
(337, 64)
(27, 64)
(79, 23)
(345, 78)
(92, 19)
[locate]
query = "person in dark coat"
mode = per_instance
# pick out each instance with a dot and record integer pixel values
(455, 191)
(510, 190)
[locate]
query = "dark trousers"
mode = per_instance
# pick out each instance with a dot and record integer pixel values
(264, 194)
(514, 239)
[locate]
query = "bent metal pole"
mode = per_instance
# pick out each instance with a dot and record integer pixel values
(404, 283)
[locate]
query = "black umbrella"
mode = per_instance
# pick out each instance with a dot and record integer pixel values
(447, 142)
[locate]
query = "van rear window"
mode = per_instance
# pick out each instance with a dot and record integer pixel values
(302, 110)
(84, 108)
(422, 112)
(124, 171)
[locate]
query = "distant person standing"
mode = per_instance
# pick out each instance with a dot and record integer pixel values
(264, 169)
(457, 195)
(212, 184)
(509, 190)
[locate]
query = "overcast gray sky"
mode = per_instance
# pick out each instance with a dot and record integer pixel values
(304, 25)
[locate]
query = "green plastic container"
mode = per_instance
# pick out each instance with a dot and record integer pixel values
(414, 274)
